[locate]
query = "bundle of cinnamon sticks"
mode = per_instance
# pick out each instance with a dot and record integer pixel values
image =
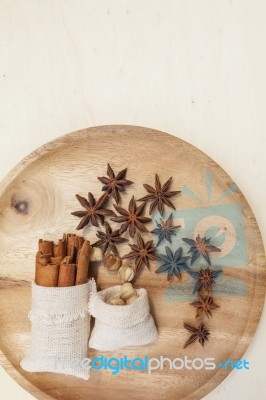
(62, 264)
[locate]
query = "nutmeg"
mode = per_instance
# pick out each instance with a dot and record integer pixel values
(96, 254)
(126, 273)
(132, 299)
(127, 291)
(116, 302)
(112, 262)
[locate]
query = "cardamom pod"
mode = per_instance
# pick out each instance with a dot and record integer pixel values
(126, 273)
(127, 291)
(116, 302)
(112, 262)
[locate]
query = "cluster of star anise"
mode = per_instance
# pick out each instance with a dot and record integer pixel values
(174, 263)
(205, 279)
(131, 220)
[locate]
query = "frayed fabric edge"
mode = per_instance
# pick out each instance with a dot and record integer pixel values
(66, 316)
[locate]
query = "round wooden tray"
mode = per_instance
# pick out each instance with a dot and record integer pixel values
(36, 200)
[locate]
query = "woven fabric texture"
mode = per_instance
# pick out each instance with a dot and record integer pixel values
(120, 326)
(60, 327)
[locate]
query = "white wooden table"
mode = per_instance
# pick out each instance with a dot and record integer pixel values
(193, 68)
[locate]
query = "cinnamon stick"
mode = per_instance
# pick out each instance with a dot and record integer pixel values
(59, 251)
(79, 240)
(83, 263)
(67, 273)
(56, 260)
(46, 246)
(71, 249)
(55, 250)
(56, 263)
(62, 247)
(47, 275)
(42, 259)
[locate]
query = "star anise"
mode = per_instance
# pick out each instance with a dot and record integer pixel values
(114, 183)
(165, 230)
(109, 238)
(200, 246)
(205, 279)
(159, 196)
(200, 333)
(142, 252)
(132, 218)
(173, 263)
(94, 211)
(204, 305)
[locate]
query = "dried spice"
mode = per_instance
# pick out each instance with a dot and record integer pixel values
(159, 196)
(109, 239)
(112, 262)
(204, 305)
(200, 333)
(94, 210)
(96, 254)
(126, 273)
(205, 279)
(200, 247)
(113, 184)
(62, 264)
(165, 230)
(116, 302)
(142, 252)
(127, 291)
(131, 219)
(173, 263)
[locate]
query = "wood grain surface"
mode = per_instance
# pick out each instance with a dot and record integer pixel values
(36, 200)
